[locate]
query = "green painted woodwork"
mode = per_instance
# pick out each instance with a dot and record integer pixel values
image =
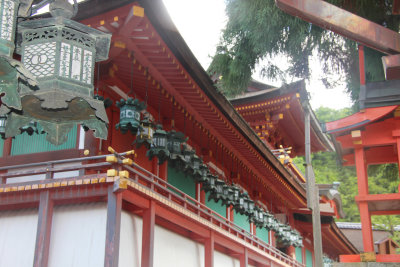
(299, 254)
(35, 143)
(1, 146)
(216, 206)
(184, 183)
(241, 221)
(262, 233)
(309, 262)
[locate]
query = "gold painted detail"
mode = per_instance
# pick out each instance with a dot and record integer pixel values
(138, 11)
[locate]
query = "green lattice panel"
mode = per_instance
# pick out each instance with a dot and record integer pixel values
(309, 262)
(216, 206)
(27, 144)
(299, 254)
(180, 181)
(241, 221)
(262, 233)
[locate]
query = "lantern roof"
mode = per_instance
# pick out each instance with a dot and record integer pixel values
(101, 39)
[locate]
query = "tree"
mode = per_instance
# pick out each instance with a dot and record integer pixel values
(257, 31)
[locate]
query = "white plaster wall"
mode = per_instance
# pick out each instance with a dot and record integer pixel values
(78, 235)
(170, 249)
(173, 250)
(224, 260)
(130, 247)
(18, 237)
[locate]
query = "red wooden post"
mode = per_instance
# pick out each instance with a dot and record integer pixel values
(155, 167)
(163, 171)
(361, 64)
(209, 251)
(365, 216)
(202, 197)
(43, 230)
(292, 252)
(149, 216)
(244, 258)
(7, 147)
(114, 206)
(198, 192)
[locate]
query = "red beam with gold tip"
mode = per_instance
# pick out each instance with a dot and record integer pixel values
(344, 23)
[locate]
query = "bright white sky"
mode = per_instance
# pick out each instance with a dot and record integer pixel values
(200, 24)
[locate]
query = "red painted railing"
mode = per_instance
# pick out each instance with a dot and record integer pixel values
(155, 184)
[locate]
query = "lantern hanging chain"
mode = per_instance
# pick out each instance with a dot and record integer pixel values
(131, 84)
(173, 113)
(184, 122)
(159, 105)
(231, 171)
(147, 84)
(193, 130)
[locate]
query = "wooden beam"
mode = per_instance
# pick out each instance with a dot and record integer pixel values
(344, 23)
(209, 251)
(114, 206)
(43, 230)
(148, 235)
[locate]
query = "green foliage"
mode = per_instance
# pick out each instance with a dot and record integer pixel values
(325, 114)
(257, 31)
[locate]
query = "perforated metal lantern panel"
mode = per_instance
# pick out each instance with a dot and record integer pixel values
(8, 16)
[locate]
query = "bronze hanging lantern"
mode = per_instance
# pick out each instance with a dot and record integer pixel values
(129, 115)
(217, 192)
(240, 204)
(145, 133)
(209, 183)
(174, 142)
(61, 54)
(201, 176)
(193, 166)
(159, 146)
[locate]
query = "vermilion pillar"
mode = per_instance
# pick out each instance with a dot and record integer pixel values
(114, 207)
(43, 230)
(148, 235)
(365, 215)
(209, 251)
(244, 258)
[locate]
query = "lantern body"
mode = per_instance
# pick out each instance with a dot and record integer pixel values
(129, 115)
(8, 15)
(60, 54)
(196, 161)
(159, 146)
(160, 139)
(175, 139)
(145, 133)
(3, 123)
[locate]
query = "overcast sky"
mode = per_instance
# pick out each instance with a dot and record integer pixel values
(200, 24)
